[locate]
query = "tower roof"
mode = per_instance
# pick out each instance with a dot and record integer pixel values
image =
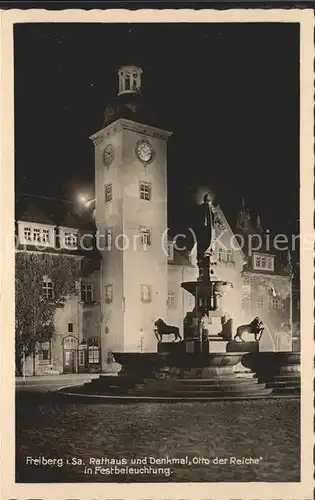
(129, 102)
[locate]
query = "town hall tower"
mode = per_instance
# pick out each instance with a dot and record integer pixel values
(131, 219)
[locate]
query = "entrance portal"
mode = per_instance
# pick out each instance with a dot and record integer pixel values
(70, 355)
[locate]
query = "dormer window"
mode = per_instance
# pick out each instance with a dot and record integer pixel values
(71, 239)
(35, 234)
(28, 234)
(68, 238)
(263, 262)
(46, 236)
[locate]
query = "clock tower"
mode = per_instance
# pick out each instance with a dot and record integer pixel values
(131, 219)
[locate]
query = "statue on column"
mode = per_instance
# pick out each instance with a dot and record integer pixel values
(205, 236)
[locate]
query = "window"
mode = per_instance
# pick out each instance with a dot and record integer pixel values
(245, 302)
(81, 358)
(221, 255)
(28, 234)
(93, 355)
(108, 239)
(93, 350)
(108, 294)
(246, 297)
(71, 239)
(70, 327)
(246, 290)
(48, 289)
(44, 352)
(229, 256)
(260, 302)
(145, 191)
(145, 293)
(171, 300)
(170, 251)
(264, 262)
(277, 304)
(36, 235)
(70, 343)
(145, 234)
(46, 235)
(127, 82)
(108, 193)
(86, 292)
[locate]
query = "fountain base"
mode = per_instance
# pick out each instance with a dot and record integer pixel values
(174, 377)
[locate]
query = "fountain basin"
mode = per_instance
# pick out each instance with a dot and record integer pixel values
(165, 376)
(279, 370)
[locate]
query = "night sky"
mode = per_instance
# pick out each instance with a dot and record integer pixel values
(228, 92)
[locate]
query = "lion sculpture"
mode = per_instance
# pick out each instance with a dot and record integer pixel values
(256, 327)
(161, 328)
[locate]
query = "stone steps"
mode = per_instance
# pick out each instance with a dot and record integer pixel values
(187, 383)
(294, 390)
(261, 392)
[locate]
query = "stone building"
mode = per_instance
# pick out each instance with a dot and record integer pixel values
(130, 272)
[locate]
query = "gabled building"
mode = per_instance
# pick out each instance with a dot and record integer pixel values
(267, 281)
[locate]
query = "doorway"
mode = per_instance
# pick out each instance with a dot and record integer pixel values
(70, 355)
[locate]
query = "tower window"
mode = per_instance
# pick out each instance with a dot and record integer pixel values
(87, 292)
(70, 327)
(108, 193)
(108, 239)
(170, 251)
(145, 234)
(145, 191)
(108, 294)
(145, 293)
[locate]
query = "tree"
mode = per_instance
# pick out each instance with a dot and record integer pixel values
(34, 311)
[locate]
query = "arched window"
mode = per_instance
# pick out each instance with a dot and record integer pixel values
(70, 342)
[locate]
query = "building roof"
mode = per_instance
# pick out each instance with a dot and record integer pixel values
(181, 258)
(131, 107)
(52, 211)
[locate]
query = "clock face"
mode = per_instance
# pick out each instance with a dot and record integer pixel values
(108, 155)
(144, 151)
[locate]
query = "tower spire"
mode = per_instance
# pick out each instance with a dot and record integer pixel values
(243, 220)
(258, 223)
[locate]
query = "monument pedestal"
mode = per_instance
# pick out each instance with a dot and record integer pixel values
(217, 344)
(196, 346)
